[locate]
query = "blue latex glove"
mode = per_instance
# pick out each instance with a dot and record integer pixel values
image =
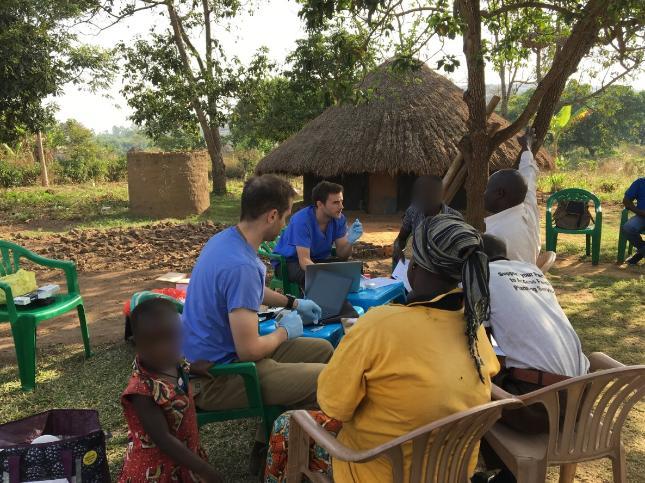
(355, 232)
(292, 323)
(309, 311)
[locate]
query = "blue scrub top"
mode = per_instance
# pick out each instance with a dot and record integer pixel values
(637, 192)
(228, 275)
(303, 231)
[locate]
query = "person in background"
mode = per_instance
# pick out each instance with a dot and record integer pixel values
(221, 313)
(632, 229)
(540, 346)
(313, 231)
(403, 366)
(163, 440)
(511, 198)
(427, 200)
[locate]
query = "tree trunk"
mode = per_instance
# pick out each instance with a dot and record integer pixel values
(217, 162)
(505, 91)
(211, 134)
(475, 146)
(538, 65)
(41, 158)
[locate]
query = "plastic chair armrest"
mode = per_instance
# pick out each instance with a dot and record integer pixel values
(241, 368)
(600, 361)
(497, 393)
(11, 307)
(323, 438)
(249, 374)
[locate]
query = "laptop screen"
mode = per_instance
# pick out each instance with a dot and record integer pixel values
(329, 290)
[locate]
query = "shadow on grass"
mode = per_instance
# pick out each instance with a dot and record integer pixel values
(67, 380)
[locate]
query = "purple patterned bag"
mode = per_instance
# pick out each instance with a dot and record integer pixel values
(78, 456)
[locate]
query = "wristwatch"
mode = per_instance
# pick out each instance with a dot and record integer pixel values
(290, 300)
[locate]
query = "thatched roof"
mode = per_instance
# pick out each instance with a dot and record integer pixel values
(411, 123)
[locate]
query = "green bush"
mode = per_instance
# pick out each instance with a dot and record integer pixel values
(234, 171)
(118, 169)
(555, 182)
(12, 175)
(608, 186)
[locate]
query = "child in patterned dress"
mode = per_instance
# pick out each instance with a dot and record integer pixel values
(163, 437)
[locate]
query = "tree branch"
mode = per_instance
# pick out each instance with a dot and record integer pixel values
(600, 90)
(583, 35)
(192, 49)
(516, 6)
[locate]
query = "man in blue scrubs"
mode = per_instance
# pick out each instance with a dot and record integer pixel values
(313, 230)
(632, 229)
(220, 314)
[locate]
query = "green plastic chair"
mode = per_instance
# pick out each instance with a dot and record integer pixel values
(592, 232)
(280, 278)
(24, 321)
(623, 244)
(255, 408)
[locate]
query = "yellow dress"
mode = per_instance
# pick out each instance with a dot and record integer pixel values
(401, 367)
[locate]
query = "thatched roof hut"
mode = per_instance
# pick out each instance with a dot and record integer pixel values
(409, 126)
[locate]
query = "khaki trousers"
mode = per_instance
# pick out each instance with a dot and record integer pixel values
(288, 378)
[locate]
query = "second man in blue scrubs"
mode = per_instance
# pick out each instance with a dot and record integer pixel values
(312, 231)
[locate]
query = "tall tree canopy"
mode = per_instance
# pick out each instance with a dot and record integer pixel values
(179, 79)
(323, 70)
(584, 26)
(40, 54)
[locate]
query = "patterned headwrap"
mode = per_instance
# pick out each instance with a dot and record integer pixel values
(448, 246)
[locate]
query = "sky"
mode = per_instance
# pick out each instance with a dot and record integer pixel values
(274, 24)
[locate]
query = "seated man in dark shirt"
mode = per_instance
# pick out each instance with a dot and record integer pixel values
(427, 200)
(632, 229)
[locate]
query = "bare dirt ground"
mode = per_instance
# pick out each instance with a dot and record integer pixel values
(115, 263)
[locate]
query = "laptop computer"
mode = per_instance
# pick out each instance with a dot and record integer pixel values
(351, 270)
(329, 290)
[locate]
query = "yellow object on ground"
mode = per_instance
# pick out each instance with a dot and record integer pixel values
(21, 282)
(399, 368)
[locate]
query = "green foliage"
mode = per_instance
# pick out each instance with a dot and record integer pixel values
(616, 115)
(555, 182)
(12, 175)
(121, 139)
(157, 91)
(600, 122)
(39, 56)
(324, 70)
(82, 158)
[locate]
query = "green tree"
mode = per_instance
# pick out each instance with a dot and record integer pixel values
(323, 70)
(615, 116)
(121, 139)
(590, 25)
(39, 56)
(179, 81)
(80, 156)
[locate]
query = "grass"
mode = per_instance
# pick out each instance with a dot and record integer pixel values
(99, 205)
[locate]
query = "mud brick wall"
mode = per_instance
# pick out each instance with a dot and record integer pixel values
(168, 185)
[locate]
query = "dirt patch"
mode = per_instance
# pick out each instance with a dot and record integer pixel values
(150, 247)
(103, 294)
(574, 266)
(117, 262)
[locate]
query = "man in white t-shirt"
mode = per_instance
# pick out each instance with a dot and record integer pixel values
(511, 199)
(527, 321)
(539, 344)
